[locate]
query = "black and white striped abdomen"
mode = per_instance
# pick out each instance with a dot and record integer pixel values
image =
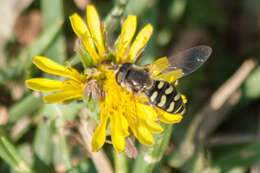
(165, 96)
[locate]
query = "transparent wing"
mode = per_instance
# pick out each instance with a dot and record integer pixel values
(158, 67)
(189, 60)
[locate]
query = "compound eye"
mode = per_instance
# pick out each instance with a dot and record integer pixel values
(119, 77)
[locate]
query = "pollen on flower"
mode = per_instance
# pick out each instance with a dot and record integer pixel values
(124, 110)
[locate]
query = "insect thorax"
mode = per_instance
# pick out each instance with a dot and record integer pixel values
(133, 77)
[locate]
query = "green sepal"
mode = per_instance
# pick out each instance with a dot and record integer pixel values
(93, 108)
(85, 57)
(111, 57)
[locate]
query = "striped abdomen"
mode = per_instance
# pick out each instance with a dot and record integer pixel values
(165, 96)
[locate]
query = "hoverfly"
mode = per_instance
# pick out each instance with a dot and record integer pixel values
(151, 79)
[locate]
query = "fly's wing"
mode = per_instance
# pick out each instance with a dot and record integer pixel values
(172, 68)
(188, 60)
(159, 66)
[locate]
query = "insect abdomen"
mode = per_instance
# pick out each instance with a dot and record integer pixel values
(165, 96)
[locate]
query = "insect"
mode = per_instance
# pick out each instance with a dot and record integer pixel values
(151, 79)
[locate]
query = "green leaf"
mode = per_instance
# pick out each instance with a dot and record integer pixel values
(42, 146)
(244, 156)
(112, 20)
(9, 153)
(61, 155)
(26, 152)
(61, 113)
(85, 57)
(93, 108)
(85, 166)
(57, 49)
(75, 59)
(42, 43)
(24, 107)
(67, 111)
(251, 86)
(4, 153)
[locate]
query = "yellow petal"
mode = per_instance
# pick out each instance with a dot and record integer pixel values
(158, 66)
(78, 25)
(118, 140)
(42, 84)
(63, 96)
(81, 30)
(144, 135)
(168, 118)
(49, 66)
(153, 127)
(140, 131)
(88, 44)
(145, 112)
(99, 136)
(170, 76)
(140, 41)
(126, 37)
(95, 28)
(147, 116)
(124, 126)
(72, 85)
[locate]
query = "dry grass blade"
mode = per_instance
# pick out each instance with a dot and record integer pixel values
(231, 139)
(20, 126)
(82, 3)
(213, 112)
(99, 158)
(3, 115)
(223, 99)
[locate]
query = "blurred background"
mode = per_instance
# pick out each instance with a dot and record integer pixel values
(220, 131)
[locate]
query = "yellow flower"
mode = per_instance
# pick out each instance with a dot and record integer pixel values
(123, 109)
(68, 89)
(92, 37)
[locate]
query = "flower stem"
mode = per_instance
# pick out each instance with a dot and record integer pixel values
(146, 161)
(120, 162)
